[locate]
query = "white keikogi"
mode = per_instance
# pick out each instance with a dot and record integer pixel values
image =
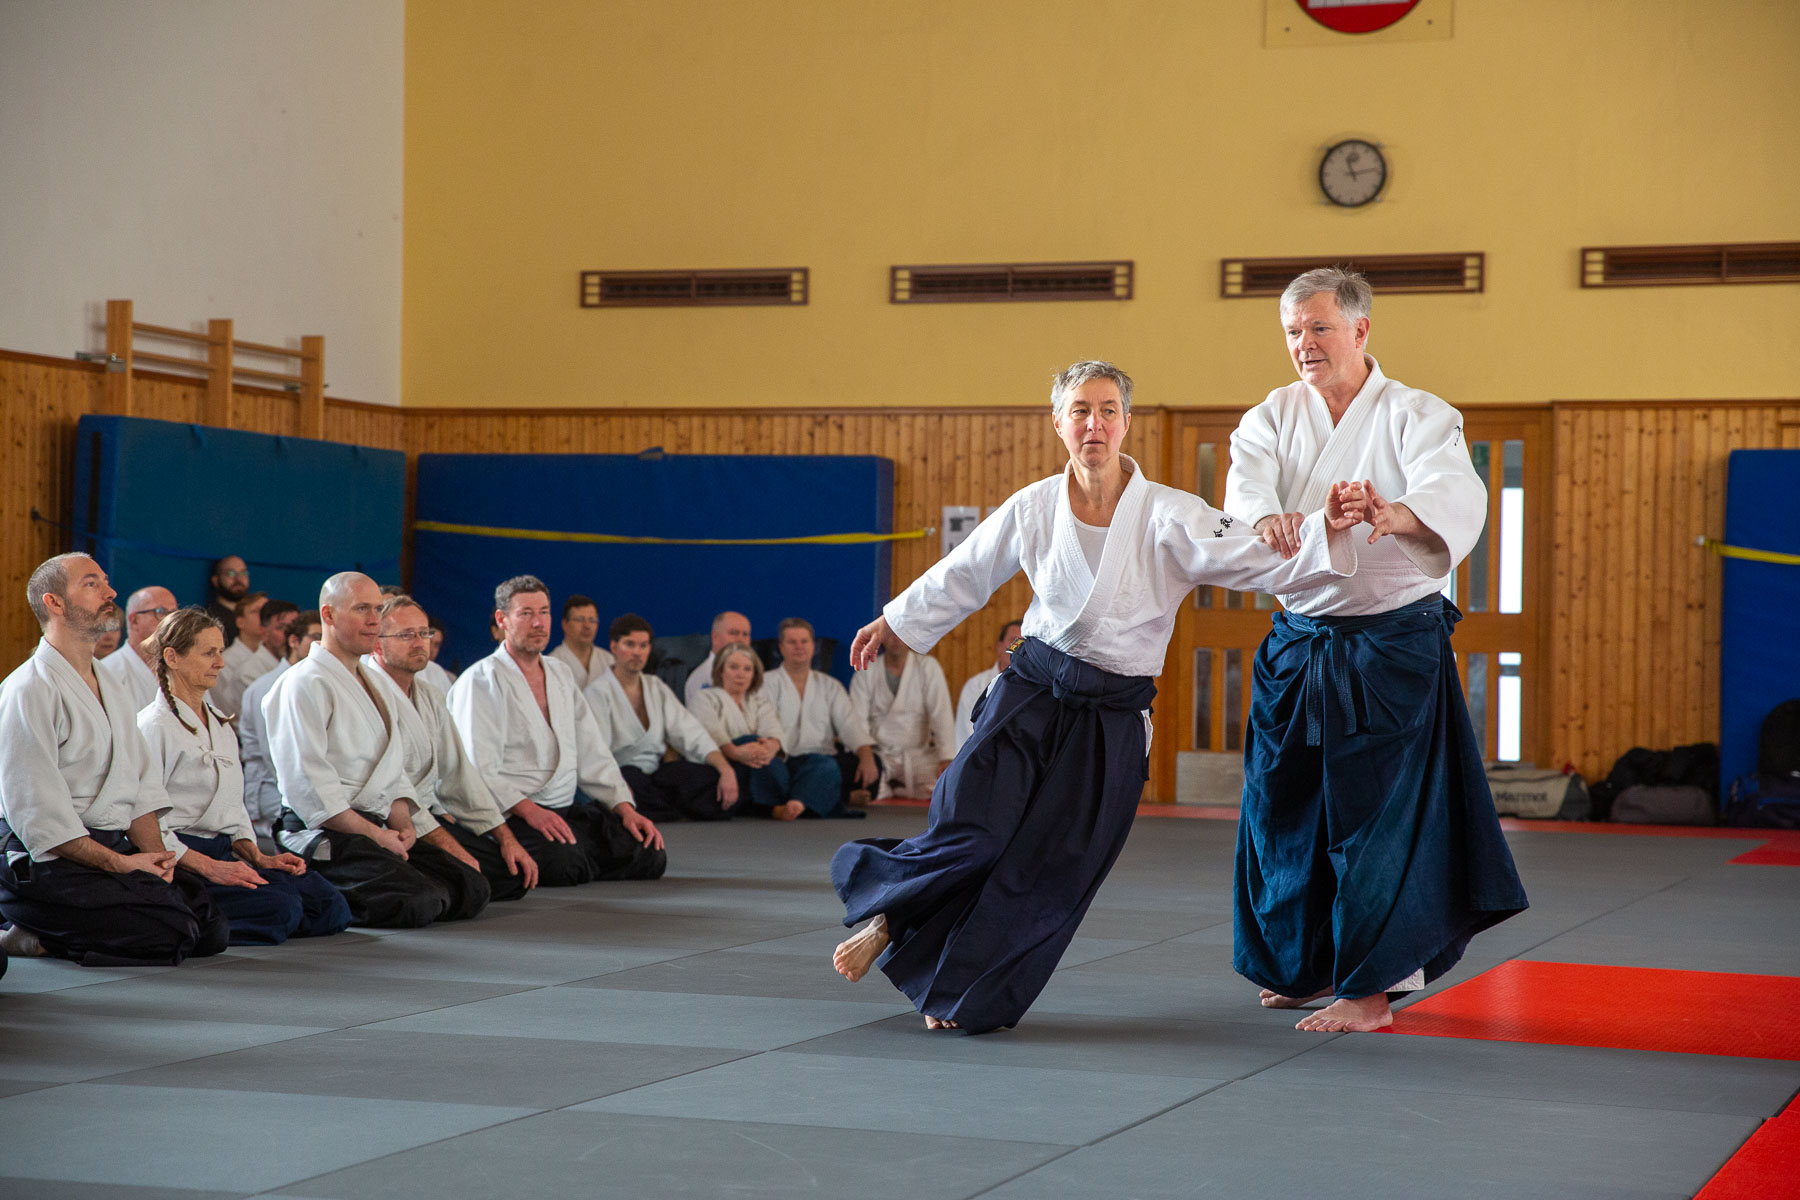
(1286, 454)
(333, 748)
(200, 771)
(634, 744)
(125, 669)
(437, 677)
(600, 661)
(972, 691)
(228, 693)
(520, 755)
(70, 762)
(913, 724)
(699, 679)
(443, 776)
(815, 722)
(1160, 544)
(262, 795)
(725, 722)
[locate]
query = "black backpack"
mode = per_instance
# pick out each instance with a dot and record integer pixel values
(1770, 798)
(1779, 754)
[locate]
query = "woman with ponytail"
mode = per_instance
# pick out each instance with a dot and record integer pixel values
(267, 897)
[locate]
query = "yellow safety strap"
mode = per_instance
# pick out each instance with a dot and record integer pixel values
(1745, 552)
(553, 535)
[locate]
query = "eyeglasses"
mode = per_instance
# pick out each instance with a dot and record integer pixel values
(412, 635)
(159, 613)
(234, 574)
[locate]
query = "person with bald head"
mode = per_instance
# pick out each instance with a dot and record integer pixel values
(728, 629)
(348, 807)
(227, 583)
(84, 873)
(130, 668)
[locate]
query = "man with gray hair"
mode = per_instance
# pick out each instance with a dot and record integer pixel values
(84, 873)
(728, 629)
(132, 670)
(1369, 853)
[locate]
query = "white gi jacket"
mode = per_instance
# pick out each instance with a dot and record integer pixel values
(522, 757)
(227, 694)
(1161, 544)
(913, 725)
(637, 745)
(599, 663)
(1285, 455)
(70, 762)
(200, 772)
(442, 774)
(725, 722)
(965, 703)
(262, 795)
(132, 675)
(437, 677)
(331, 744)
(816, 722)
(699, 679)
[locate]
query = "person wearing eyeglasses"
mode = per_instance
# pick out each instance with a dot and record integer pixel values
(131, 668)
(228, 583)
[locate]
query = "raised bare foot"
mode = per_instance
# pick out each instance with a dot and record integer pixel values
(788, 811)
(1274, 999)
(20, 943)
(856, 953)
(935, 1023)
(1364, 1015)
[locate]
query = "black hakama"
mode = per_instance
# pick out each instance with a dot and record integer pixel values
(285, 906)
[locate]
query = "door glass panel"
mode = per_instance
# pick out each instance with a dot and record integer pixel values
(1203, 699)
(1511, 700)
(1475, 688)
(1481, 454)
(1234, 697)
(1206, 479)
(1512, 528)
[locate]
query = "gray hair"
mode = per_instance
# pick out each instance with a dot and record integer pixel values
(1064, 383)
(518, 585)
(338, 589)
(1352, 292)
(50, 579)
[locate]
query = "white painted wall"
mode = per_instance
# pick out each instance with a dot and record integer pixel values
(205, 158)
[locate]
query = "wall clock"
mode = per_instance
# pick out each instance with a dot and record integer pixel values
(1352, 173)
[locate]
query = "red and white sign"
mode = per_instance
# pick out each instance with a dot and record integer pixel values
(1356, 16)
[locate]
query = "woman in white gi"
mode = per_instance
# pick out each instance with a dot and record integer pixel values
(740, 717)
(268, 898)
(969, 918)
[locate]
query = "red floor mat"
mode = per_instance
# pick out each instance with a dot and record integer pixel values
(1628, 1008)
(1765, 1167)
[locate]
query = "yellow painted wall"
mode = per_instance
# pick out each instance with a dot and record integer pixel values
(549, 136)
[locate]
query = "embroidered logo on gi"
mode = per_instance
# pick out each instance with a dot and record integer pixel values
(1226, 522)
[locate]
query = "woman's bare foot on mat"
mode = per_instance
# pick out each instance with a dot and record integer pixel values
(935, 1023)
(20, 943)
(856, 953)
(1274, 999)
(788, 811)
(1351, 1016)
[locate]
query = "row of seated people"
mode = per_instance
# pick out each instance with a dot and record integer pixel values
(128, 830)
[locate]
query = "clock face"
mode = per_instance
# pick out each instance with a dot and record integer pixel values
(1352, 173)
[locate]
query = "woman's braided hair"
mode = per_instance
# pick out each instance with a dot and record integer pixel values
(178, 632)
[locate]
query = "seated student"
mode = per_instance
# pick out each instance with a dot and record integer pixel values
(84, 874)
(247, 617)
(228, 582)
(738, 714)
(728, 629)
(347, 806)
(580, 626)
(262, 795)
(977, 684)
(131, 673)
(271, 648)
(268, 898)
(906, 705)
(642, 718)
(435, 673)
(533, 737)
(817, 719)
(471, 825)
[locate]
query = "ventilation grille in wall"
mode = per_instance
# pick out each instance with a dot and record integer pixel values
(1388, 274)
(1010, 281)
(1648, 266)
(663, 289)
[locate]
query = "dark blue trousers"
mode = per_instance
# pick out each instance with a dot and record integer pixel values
(284, 906)
(1369, 848)
(1025, 824)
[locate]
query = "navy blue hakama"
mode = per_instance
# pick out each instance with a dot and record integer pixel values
(1369, 848)
(284, 906)
(1024, 826)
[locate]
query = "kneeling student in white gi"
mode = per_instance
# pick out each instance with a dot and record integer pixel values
(262, 795)
(906, 706)
(828, 744)
(268, 898)
(642, 717)
(134, 673)
(444, 781)
(85, 874)
(533, 737)
(348, 806)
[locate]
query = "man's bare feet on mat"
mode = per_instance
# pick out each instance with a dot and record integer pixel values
(1274, 999)
(788, 811)
(858, 952)
(20, 943)
(933, 1023)
(1365, 1015)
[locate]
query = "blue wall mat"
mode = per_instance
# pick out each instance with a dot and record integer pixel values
(676, 588)
(1759, 656)
(155, 502)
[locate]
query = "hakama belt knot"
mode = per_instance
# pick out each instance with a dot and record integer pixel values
(1328, 656)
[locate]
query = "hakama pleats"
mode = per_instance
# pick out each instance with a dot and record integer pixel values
(1369, 848)
(385, 891)
(284, 906)
(1025, 824)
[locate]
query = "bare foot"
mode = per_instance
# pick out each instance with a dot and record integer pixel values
(1351, 1016)
(860, 797)
(20, 943)
(856, 953)
(1273, 999)
(789, 811)
(934, 1023)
